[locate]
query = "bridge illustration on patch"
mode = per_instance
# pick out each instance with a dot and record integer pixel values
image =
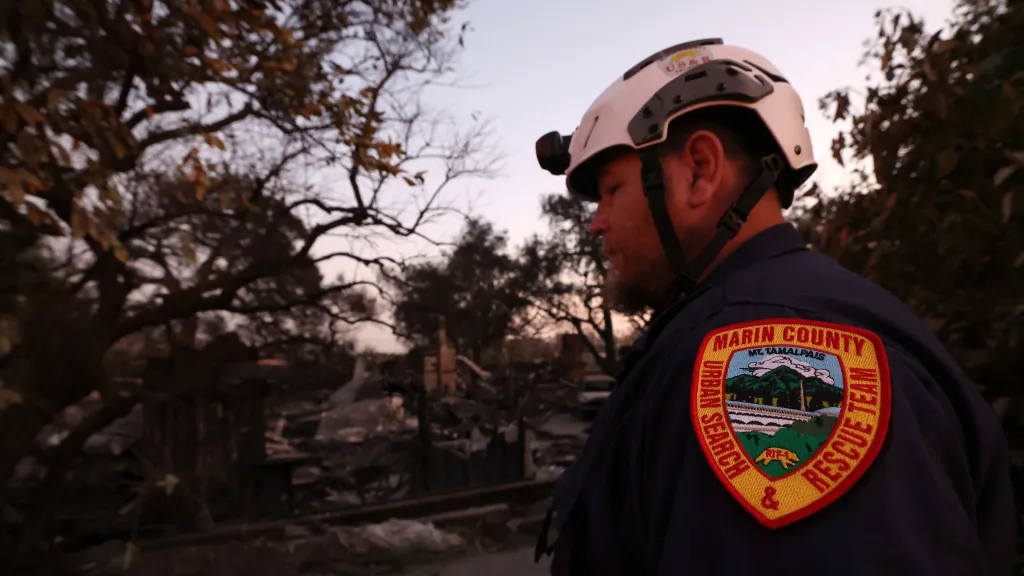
(778, 400)
(790, 413)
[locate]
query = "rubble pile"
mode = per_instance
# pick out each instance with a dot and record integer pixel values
(358, 444)
(362, 443)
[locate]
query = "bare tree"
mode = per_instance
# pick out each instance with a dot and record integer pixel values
(568, 272)
(178, 142)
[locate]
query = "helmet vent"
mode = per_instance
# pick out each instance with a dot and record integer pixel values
(590, 131)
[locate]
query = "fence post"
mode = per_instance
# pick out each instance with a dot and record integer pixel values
(425, 468)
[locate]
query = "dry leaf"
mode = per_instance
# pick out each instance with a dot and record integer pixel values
(890, 202)
(120, 253)
(946, 162)
(1004, 173)
(16, 193)
(169, 482)
(79, 222)
(214, 141)
(943, 46)
(208, 24)
(186, 248)
(131, 551)
(9, 397)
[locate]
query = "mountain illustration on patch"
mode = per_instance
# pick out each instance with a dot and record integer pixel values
(783, 408)
(779, 380)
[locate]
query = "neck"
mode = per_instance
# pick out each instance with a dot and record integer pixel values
(767, 213)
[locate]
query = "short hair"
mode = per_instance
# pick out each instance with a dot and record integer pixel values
(744, 137)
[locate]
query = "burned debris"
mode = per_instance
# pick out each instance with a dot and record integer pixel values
(241, 442)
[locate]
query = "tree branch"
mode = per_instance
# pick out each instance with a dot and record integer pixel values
(193, 130)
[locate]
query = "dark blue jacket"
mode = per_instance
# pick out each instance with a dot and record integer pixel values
(644, 498)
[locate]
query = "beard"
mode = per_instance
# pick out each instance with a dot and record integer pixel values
(632, 298)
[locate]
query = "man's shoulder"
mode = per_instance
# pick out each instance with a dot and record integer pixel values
(810, 299)
(828, 317)
(797, 380)
(755, 322)
(808, 285)
(812, 357)
(804, 275)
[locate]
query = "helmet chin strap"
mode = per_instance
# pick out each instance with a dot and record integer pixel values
(688, 274)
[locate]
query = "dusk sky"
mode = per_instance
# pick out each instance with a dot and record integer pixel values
(535, 66)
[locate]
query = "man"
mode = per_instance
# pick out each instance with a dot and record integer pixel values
(781, 415)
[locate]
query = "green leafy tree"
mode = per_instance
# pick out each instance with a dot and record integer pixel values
(934, 210)
(476, 288)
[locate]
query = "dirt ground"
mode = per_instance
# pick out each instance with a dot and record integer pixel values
(489, 547)
(258, 561)
(515, 563)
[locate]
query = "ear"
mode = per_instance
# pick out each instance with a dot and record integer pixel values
(707, 163)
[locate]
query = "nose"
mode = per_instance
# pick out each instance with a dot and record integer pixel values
(599, 223)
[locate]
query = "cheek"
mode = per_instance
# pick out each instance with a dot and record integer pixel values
(636, 249)
(629, 217)
(631, 230)
(637, 230)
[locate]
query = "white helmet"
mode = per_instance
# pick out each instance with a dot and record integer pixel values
(635, 112)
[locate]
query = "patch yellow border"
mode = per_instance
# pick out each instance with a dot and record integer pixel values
(851, 447)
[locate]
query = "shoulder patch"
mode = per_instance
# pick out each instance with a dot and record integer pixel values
(790, 412)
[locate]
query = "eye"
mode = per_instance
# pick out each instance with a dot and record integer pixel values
(610, 190)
